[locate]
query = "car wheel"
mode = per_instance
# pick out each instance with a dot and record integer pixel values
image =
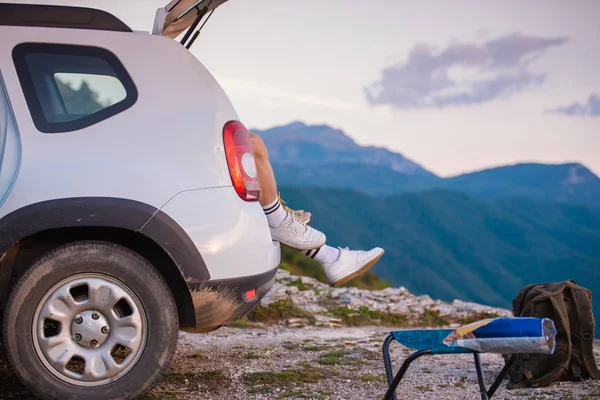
(90, 320)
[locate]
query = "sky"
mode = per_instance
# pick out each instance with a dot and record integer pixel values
(455, 86)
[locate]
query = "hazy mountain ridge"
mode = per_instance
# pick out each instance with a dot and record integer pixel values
(300, 143)
(568, 183)
(319, 155)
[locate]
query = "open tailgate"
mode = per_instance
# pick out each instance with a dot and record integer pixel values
(179, 15)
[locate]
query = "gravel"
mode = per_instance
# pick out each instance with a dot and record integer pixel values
(279, 362)
(348, 361)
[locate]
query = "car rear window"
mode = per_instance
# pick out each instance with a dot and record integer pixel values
(71, 87)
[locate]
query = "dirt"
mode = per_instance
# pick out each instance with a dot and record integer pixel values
(317, 363)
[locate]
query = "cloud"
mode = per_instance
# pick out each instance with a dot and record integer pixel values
(462, 74)
(591, 108)
(276, 96)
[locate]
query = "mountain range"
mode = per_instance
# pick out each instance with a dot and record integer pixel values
(319, 155)
(450, 245)
(478, 237)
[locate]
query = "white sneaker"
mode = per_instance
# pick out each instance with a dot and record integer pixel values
(350, 264)
(304, 216)
(293, 233)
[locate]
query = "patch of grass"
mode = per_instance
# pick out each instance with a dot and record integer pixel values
(252, 355)
(426, 371)
(365, 316)
(265, 382)
(368, 378)
(461, 381)
(302, 394)
(432, 318)
(298, 283)
(211, 380)
(591, 395)
(369, 354)
(316, 348)
(356, 361)
(279, 310)
(331, 358)
(477, 317)
(304, 364)
(346, 357)
(290, 345)
(242, 324)
(166, 395)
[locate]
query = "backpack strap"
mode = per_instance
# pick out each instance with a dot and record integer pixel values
(585, 317)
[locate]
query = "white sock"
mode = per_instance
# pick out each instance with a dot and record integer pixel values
(275, 213)
(324, 254)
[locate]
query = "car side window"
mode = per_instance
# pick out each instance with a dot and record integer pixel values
(71, 87)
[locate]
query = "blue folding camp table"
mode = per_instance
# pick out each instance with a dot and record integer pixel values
(497, 335)
(429, 342)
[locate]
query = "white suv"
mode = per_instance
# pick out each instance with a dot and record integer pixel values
(128, 199)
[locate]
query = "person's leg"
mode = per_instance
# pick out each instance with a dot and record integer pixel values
(340, 265)
(285, 225)
(343, 265)
(266, 177)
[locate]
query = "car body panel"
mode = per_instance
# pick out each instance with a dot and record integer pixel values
(232, 235)
(145, 153)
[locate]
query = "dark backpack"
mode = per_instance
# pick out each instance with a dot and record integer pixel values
(570, 307)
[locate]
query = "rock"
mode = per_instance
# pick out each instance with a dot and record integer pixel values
(297, 322)
(390, 300)
(282, 273)
(310, 282)
(292, 290)
(328, 322)
(314, 308)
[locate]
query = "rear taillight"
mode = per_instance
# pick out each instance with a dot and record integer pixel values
(240, 159)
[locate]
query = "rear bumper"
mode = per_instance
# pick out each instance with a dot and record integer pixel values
(223, 301)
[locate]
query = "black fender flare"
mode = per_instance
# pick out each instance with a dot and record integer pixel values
(107, 212)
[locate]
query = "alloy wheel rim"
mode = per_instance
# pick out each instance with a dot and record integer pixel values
(89, 330)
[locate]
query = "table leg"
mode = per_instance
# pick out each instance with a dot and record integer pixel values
(392, 389)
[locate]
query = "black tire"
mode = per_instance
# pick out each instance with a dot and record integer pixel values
(118, 263)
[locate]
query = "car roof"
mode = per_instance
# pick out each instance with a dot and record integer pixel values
(55, 16)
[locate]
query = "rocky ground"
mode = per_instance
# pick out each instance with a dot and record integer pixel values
(311, 342)
(319, 304)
